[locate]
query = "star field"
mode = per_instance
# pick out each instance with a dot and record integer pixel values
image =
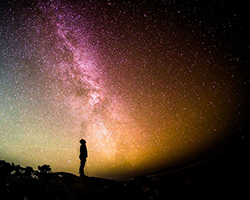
(148, 85)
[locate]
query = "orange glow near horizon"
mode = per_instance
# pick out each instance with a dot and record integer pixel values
(143, 89)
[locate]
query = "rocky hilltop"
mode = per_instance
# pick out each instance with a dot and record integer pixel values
(25, 184)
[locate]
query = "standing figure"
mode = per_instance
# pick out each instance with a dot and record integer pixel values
(83, 156)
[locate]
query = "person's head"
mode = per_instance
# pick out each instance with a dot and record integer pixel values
(82, 141)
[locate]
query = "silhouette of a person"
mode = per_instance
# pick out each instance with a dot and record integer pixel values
(83, 156)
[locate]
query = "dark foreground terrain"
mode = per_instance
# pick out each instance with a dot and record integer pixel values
(224, 176)
(24, 184)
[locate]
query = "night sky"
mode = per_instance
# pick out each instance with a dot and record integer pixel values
(148, 84)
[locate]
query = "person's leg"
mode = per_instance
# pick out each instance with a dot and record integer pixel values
(81, 169)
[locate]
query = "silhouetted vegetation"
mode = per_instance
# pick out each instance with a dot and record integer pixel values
(44, 169)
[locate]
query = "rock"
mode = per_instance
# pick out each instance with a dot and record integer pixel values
(13, 172)
(21, 171)
(34, 176)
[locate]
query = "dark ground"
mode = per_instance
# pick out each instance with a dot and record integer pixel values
(223, 176)
(61, 185)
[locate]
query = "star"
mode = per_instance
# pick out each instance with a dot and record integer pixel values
(147, 85)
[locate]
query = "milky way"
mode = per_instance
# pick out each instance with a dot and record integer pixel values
(147, 85)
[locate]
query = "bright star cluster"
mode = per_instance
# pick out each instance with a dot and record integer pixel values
(148, 84)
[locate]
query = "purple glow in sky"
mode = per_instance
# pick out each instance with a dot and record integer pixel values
(147, 85)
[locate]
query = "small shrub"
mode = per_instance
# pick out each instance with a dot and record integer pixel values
(44, 169)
